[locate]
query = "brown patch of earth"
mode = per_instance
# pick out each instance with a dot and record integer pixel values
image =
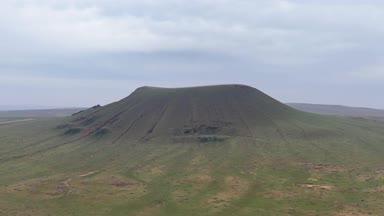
(22, 212)
(88, 174)
(110, 187)
(62, 188)
(351, 211)
(279, 195)
(118, 182)
(198, 183)
(324, 168)
(149, 211)
(235, 187)
(147, 173)
(376, 190)
(157, 171)
(181, 195)
(199, 180)
(374, 175)
(198, 159)
(318, 187)
(42, 186)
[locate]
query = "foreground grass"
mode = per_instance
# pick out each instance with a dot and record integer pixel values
(333, 168)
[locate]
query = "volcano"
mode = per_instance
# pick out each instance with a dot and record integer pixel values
(208, 113)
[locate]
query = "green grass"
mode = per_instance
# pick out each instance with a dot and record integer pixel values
(43, 173)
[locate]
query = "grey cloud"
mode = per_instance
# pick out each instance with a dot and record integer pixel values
(268, 43)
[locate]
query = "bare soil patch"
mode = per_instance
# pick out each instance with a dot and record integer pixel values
(324, 168)
(198, 159)
(88, 174)
(235, 188)
(117, 182)
(318, 187)
(351, 211)
(149, 172)
(181, 195)
(200, 179)
(279, 195)
(374, 175)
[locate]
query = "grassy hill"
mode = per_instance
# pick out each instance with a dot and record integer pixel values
(154, 113)
(217, 150)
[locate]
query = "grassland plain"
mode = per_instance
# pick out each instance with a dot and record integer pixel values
(302, 165)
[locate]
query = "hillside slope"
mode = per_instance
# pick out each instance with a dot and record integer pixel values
(218, 150)
(149, 112)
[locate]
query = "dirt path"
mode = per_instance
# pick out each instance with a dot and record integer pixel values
(15, 121)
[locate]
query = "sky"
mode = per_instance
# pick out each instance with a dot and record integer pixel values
(65, 53)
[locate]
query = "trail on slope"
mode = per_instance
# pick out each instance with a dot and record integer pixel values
(15, 121)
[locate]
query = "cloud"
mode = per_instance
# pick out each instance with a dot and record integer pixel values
(373, 73)
(199, 41)
(264, 29)
(89, 29)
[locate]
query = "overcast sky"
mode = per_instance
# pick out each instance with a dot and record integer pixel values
(87, 52)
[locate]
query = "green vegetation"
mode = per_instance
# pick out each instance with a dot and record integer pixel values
(292, 163)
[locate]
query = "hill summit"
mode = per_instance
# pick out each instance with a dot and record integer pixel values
(205, 113)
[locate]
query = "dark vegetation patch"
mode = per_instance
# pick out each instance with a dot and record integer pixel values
(207, 139)
(200, 139)
(211, 128)
(73, 131)
(63, 126)
(121, 183)
(88, 121)
(203, 132)
(96, 107)
(77, 113)
(114, 119)
(201, 129)
(101, 132)
(79, 119)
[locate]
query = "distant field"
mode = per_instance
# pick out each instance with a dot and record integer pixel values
(45, 113)
(2, 120)
(358, 112)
